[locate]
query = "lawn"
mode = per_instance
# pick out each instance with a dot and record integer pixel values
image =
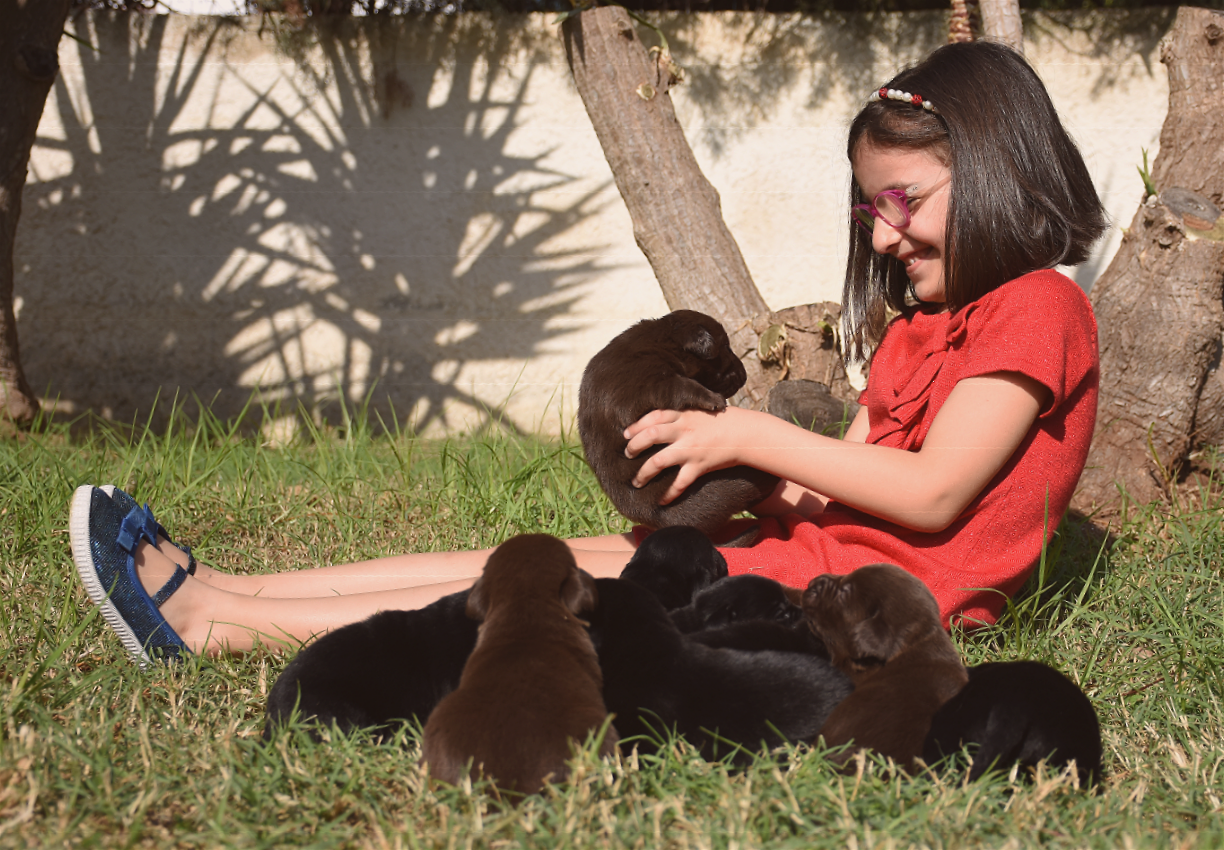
(97, 753)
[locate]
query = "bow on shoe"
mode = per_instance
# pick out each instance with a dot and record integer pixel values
(137, 524)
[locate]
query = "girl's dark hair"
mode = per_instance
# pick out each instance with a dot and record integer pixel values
(1021, 198)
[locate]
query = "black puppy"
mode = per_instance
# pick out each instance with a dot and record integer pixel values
(748, 612)
(682, 361)
(656, 679)
(738, 599)
(1018, 712)
(674, 563)
(380, 672)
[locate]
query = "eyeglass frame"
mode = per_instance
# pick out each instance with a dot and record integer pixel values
(902, 198)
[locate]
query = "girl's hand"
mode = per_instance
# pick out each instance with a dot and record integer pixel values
(694, 440)
(980, 426)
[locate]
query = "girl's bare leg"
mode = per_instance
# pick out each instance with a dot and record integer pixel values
(396, 572)
(211, 618)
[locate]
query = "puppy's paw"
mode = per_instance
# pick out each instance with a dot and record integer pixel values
(688, 394)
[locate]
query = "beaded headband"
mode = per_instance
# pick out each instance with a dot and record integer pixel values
(904, 97)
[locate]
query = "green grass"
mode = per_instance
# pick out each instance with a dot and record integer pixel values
(96, 753)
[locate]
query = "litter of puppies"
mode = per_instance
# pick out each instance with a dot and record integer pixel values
(733, 667)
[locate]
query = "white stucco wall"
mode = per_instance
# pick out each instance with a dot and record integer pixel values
(418, 209)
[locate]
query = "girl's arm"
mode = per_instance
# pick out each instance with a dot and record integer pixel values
(974, 434)
(790, 498)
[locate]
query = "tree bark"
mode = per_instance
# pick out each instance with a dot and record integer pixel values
(1159, 304)
(1001, 22)
(676, 213)
(960, 23)
(29, 38)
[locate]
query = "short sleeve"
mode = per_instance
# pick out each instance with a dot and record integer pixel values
(1040, 325)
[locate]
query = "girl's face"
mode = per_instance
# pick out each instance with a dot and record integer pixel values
(925, 179)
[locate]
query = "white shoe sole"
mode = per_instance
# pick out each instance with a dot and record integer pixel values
(82, 556)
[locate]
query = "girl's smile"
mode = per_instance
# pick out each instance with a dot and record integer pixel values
(919, 245)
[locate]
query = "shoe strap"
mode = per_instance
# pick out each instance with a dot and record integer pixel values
(167, 589)
(139, 524)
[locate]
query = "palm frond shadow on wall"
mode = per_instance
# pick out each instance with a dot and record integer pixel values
(350, 221)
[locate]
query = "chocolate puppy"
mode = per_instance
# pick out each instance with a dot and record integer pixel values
(380, 672)
(882, 629)
(656, 680)
(1018, 712)
(682, 361)
(531, 688)
(674, 563)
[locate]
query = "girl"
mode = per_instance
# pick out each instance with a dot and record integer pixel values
(976, 422)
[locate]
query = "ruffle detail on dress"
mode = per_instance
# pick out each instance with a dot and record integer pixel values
(911, 395)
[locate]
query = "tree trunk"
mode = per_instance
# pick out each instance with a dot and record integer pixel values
(960, 23)
(1001, 22)
(29, 37)
(1159, 304)
(677, 217)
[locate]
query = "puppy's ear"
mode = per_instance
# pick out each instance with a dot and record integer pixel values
(874, 636)
(701, 343)
(477, 606)
(578, 592)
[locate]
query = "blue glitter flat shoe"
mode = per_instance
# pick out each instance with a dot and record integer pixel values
(104, 540)
(152, 527)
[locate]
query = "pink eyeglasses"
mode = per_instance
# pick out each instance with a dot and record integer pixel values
(889, 205)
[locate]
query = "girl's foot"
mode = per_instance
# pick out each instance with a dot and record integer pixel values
(180, 555)
(104, 542)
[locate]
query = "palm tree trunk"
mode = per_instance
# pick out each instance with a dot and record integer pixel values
(29, 37)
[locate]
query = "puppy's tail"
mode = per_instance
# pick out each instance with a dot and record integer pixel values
(744, 539)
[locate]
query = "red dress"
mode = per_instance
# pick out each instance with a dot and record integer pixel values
(1040, 325)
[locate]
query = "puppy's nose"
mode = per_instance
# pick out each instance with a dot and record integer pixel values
(788, 614)
(822, 584)
(817, 589)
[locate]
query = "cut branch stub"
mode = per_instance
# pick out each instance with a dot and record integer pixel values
(803, 343)
(676, 213)
(801, 355)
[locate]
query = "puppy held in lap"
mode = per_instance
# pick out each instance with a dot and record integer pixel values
(656, 679)
(682, 361)
(531, 689)
(386, 670)
(881, 627)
